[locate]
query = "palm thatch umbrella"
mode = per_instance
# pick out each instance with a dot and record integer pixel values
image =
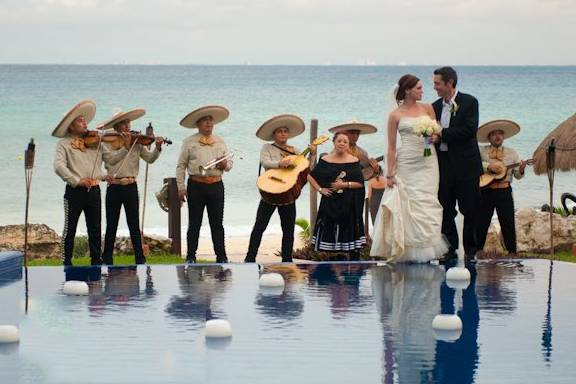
(556, 152)
(564, 137)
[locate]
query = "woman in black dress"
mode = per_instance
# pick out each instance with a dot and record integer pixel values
(338, 178)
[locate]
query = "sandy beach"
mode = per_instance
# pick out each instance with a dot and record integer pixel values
(236, 248)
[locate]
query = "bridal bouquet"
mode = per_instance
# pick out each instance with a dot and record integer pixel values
(426, 127)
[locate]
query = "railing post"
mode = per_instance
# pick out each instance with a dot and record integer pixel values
(174, 224)
(313, 193)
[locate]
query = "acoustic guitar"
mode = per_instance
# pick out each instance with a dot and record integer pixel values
(488, 177)
(282, 186)
(368, 173)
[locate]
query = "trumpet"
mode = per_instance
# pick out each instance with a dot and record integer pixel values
(213, 163)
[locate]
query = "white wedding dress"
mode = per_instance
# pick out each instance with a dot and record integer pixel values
(408, 226)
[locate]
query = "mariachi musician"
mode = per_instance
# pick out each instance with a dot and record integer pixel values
(122, 188)
(78, 162)
(496, 158)
(205, 157)
(273, 155)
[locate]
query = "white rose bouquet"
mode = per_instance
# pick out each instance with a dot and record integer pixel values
(426, 127)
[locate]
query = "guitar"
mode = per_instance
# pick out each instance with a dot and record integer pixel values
(488, 177)
(282, 186)
(368, 173)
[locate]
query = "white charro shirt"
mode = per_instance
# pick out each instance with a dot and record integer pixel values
(509, 157)
(271, 155)
(445, 117)
(193, 155)
(130, 166)
(73, 164)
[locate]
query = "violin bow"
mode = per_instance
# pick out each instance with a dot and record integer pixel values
(149, 132)
(95, 160)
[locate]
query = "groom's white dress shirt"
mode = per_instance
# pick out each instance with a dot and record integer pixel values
(445, 117)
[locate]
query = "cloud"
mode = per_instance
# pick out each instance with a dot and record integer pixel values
(86, 4)
(290, 31)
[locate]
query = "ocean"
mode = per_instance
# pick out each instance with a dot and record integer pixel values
(33, 99)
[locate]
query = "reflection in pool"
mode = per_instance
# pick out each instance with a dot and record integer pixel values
(330, 323)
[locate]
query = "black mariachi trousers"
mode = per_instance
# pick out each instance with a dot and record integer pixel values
(287, 218)
(76, 201)
(116, 197)
(467, 193)
(502, 201)
(211, 197)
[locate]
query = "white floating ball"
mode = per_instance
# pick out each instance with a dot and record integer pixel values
(271, 280)
(447, 336)
(9, 334)
(75, 288)
(458, 284)
(447, 323)
(458, 273)
(271, 291)
(218, 328)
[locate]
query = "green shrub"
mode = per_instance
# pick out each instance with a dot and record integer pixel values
(81, 248)
(305, 227)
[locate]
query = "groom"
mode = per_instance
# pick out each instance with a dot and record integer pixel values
(459, 161)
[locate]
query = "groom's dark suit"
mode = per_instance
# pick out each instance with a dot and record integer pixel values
(460, 170)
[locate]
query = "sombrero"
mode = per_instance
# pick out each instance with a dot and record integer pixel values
(294, 124)
(364, 128)
(218, 113)
(121, 116)
(509, 128)
(86, 108)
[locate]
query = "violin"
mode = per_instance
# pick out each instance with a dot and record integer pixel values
(93, 138)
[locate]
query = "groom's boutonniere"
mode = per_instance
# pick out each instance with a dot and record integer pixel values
(454, 108)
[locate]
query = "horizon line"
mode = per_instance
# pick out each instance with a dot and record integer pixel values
(290, 65)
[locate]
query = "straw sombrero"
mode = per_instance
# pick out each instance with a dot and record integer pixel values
(294, 124)
(364, 128)
(218, 113)
(509, 128)
(121, 116)
(86, 108)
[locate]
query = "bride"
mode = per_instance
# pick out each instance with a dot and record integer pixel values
(409, 220)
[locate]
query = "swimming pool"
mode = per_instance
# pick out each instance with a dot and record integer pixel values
(332, 323)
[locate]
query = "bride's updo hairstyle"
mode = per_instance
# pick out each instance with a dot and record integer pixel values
(405, 83)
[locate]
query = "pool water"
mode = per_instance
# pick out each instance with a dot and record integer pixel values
(331, 323)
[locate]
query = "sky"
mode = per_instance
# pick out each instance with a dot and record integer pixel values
(308, 32)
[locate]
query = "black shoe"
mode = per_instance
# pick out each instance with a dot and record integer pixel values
(448, 258)
(107, 261)
(141, 260)
(250, 259)
(287, 259)
(191, 260)
(470, 258)
(96, 261)
(221, 260)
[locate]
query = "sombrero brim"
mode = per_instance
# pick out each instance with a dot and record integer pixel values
(365, 129)
(86, 108)
(294, 124)
(218, 113)
(121, 116)
(509, 128)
